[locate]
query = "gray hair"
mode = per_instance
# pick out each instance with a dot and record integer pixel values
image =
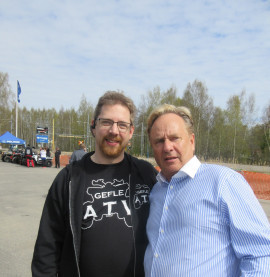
(181, 111)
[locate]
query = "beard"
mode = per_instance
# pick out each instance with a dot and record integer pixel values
(111, 151)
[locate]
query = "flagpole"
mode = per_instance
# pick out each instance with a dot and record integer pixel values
(16, 118)
(16, 112)
(17, 101)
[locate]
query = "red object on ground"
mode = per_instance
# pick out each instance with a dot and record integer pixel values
(29, 159)
(259, 182)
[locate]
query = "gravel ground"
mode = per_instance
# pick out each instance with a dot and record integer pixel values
(246, 167)
(22, 195)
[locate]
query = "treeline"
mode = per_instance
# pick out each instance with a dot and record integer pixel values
(229, 135)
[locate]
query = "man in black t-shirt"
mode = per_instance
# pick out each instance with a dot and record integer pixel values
(94, 219)
(106, 237)
(57, 155)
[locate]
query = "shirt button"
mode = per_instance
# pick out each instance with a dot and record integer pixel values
(156, 255)
(171, 187)
(166, 208)
(162, 231)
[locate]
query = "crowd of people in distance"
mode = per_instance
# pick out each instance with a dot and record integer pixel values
(44, 154)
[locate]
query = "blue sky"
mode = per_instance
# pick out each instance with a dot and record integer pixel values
(59, 50)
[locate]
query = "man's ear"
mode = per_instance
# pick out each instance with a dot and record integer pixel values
(192, 140)
(93, 127)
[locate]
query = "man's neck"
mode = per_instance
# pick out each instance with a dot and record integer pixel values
(98, 158)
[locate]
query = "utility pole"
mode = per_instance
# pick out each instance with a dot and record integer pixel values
(11, 124)
(53, 137)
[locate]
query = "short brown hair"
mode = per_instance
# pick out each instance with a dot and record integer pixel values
(182, 111)
(112, 98)
(82, 146)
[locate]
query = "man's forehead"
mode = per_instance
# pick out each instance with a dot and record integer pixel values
(163, 133)
(165, 126)
(110, 109)
(159, 132)
(168, 128)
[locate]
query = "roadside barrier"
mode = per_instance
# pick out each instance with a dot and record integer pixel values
(259, 182)
(64, 160)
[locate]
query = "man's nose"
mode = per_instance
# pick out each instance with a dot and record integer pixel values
(168, 145)
(114, 129)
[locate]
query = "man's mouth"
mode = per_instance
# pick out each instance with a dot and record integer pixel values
(170, 158)
(112, 141)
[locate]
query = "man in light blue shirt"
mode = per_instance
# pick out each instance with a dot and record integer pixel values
(204, 219)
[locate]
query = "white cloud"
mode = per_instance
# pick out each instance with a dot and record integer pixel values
(59, 50)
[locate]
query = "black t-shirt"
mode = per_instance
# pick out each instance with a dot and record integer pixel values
(28, 151)
(107, 248)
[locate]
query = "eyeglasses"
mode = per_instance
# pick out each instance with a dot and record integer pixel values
(108, 123)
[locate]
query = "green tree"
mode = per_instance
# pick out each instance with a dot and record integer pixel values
(266, 126)
(7, 111)
(217, 135)
(259, 153)
(240, 117)
(235, 127)
(85, 114)
(150, 101)
(196, 98)
(170, 97)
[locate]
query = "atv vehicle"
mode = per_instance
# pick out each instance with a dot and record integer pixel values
(17, 158)
(7, 156)
(38, 160)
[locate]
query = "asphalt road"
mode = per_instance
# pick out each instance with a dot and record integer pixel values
(22, 195)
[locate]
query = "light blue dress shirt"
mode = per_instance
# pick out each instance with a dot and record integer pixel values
(206, 222)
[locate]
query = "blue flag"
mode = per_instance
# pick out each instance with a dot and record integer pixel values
(18, 91)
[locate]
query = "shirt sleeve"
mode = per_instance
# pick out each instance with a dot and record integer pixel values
(248, 225)
(52, 231)
(71, 158)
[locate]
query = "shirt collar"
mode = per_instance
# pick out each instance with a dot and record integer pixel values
(189, 169)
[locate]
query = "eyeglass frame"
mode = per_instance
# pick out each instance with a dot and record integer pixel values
(117, 123)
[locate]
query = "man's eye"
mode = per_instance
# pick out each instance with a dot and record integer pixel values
(106, 122)
(122, 125)
(175, 139)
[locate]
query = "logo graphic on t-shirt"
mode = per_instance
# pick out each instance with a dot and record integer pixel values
(141, 195)
(106, 199)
